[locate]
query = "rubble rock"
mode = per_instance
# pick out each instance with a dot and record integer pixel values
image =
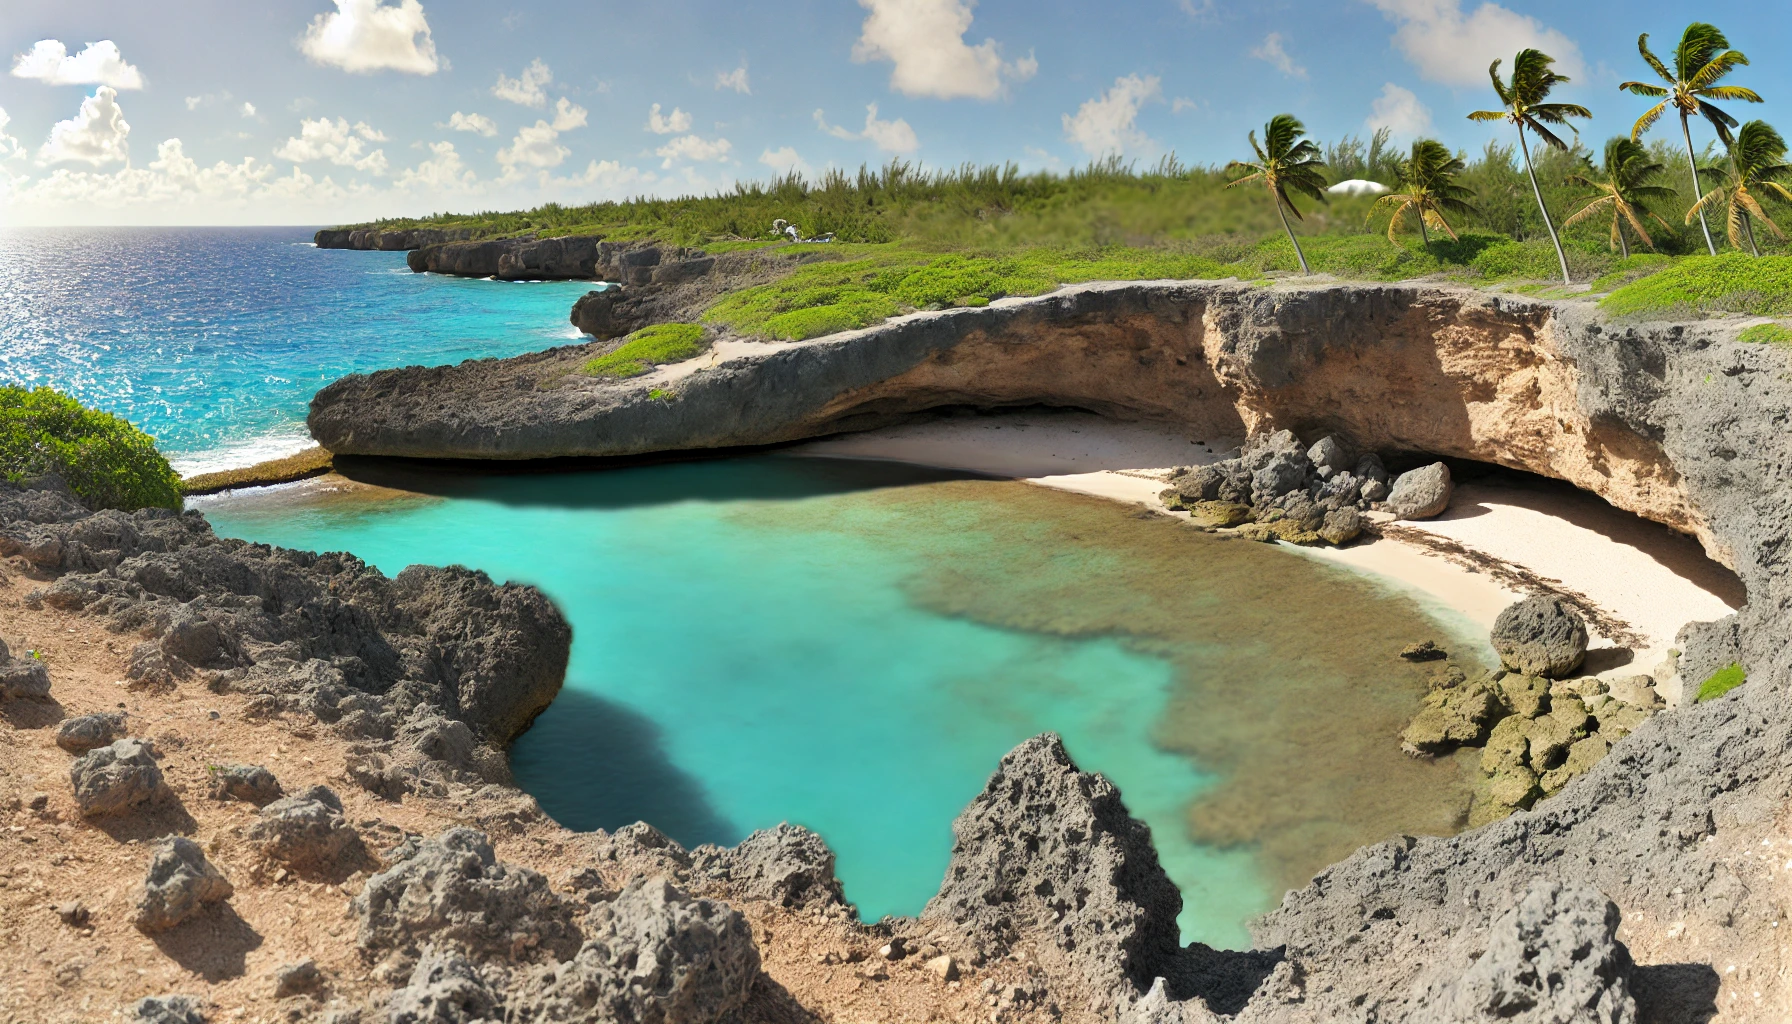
(117, 777)
(306, 832)
(88, 732)
(180, 883)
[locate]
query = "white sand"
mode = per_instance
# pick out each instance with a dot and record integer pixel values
(1474, 560)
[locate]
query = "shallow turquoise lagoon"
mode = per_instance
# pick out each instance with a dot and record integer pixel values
(785, 639)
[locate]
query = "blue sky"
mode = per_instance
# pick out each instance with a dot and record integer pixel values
(319, 111)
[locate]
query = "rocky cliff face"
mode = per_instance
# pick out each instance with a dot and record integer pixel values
(385, 241)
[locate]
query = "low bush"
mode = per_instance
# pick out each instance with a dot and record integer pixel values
(1767, 334)
(1722, 681)
(642, 350)
(1699, 285)
(105, 460)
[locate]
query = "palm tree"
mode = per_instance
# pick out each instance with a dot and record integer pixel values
(1625, 190)
(1427, 188)
(1702, 58)
(1286, 160)
(1757, 165)
(1523, 105)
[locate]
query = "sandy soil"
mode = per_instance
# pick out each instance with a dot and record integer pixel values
(817, 968)
(1502, 538)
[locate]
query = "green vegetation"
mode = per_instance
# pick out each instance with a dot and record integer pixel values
(105, 460)
(1757, 166)
(1721, 682)
(1427, 190)
(1698, 285)
(1626, 191)
(1767, 334)
(824, 298)
(1522, 103)
(640, 351)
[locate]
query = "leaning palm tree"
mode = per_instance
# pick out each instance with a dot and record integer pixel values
(1757, 167)
(1285, 160)
(1523, 105)
(1702, 58)
(1625, 190)
(1427, 188)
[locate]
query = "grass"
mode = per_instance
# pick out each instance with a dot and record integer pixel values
(309, 462)
(1767, 334)
(106, 462)
(642, 350)
(1697, 286)
(825, 298)
(1722, 681)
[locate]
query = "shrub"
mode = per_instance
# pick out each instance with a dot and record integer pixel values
(1697, 285)
(106, 461)
(1722, 681)
(640, 351)
(1766, 334)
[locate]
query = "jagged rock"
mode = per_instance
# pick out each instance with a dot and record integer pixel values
(1049, 852)
(1547, 740)
(1540, 636)
(1513, 787)
(1506, 747)
(1372, 478)
(22, 677)
(250, 783)
(1424, 650)
(180, 883)
(1280, 473)
(1156, 1007)
(1327, 457)
(1618, 720)
(1635, 690)
(198, 641)
(654, 955)
(1341, 526)
(1553, 958)
(1219, 514)
(88, 732)
(166, 1010)
(1527, 696)
(1421, 493)
(444, 988)
(1453, 717)
(788, 866)
(297, 979)
(117, 777)
(452, 891)
(1339, 490)
(306, 832)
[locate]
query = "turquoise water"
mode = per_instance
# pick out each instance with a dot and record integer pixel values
(213, 340)
(852, 647)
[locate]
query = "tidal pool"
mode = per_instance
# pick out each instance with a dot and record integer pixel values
(852, 646)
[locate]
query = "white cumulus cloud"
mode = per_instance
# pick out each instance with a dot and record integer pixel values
(336, 142)
(667, 124)
(528, 89)
(1453, 47)
(99, 63)
(1108, 124)
(784, 160)
(736, 80)
(568, 115)
(693, 148)
(442, 172)
(96, 135)
(890, 136)
(924, 40)
(479, 124)
(537, 145)
(1272, 52)
(248, 109)
(1400, 112)
(364, 36)
(9, 146)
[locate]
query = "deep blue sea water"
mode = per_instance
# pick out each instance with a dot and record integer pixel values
(214, 339)
(849, 646)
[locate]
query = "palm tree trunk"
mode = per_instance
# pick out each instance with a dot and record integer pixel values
(1692, 164)
(1748, 228)
(1296, 242)
(1426, 235)
(1623, 243)
(1561, 257)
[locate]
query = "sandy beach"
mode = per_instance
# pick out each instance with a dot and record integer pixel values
(1502, 538)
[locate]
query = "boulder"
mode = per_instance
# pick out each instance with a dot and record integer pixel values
(788, 866)
(453, 892)
(198, 641)
(117, 777)
(22, 677)
(1327, 457)
(1219, 514)
(180, 883)
(1048, 855)
(1420, 493)
(1552, 958)
(1281, 473)
(1506, 747)
(1341, 526)
(165, 1010)
(250, 783)
(1372, 478)
(297, 979)
(88, 732)
(1453, 717)
(306, 832)
(653, 955)
(444, 988)
(1540, 636)
(1527, 696)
